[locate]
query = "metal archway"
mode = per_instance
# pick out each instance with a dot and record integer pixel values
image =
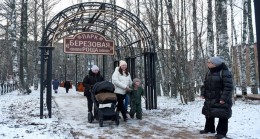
(132, 38)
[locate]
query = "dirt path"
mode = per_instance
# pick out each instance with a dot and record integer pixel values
(73, 111)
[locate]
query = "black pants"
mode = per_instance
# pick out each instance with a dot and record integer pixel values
(90, 102)
(67, 89)
(222, 127)
(120, 104)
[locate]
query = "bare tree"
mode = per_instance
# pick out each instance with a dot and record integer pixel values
(23, 48)
(173, 39)
(196, 63)
(236, 53)
(222, 31)
(253, 80)
(210, 33)
(243, 66)
(13, 39)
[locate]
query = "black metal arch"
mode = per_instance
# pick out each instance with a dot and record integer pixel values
(132, 39)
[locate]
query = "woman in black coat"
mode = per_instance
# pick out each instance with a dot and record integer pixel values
(88, 82)
(217, 92)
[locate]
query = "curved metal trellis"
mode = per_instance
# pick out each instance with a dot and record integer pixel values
(132, 37)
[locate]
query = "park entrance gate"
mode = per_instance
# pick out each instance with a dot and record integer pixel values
(133, 43)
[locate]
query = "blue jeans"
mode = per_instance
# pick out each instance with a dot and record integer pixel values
(126, 102)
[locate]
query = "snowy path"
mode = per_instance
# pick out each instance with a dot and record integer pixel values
(20, 119)
(73, 108)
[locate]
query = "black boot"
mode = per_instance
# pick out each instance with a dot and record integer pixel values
(206, 132)
(219, 136)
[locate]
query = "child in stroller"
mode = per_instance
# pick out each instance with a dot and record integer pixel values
(103, 93)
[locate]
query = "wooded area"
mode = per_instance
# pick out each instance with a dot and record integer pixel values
(186, 33)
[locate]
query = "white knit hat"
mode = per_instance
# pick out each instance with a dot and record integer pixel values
(122, 62)
(94, 67)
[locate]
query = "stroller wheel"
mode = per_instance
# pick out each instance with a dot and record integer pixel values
(101, 122)
(90, 117)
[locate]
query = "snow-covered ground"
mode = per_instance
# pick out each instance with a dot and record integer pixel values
(20, 119)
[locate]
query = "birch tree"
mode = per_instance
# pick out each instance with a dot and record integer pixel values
(13, 40)
(221, 18)
(210, 33)
(196, 59)
(244, 37)
(253, 80)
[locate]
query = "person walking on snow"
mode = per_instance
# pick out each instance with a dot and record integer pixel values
(217, 92)
(88, 82)
(122, 80)
(55, 85)
(67, 86)
(135, 99)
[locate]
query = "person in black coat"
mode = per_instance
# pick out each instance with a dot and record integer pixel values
(217, 92)
(88, 82)
(67, 86)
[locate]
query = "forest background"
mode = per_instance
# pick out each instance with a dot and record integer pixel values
(186, 33)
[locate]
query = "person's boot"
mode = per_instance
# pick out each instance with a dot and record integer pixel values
(206, 132)
(219, 136)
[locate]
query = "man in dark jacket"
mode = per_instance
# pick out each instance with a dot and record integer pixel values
(88, 82)
(217, 91)
(67, 86)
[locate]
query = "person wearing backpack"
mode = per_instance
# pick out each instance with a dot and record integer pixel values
(217, 92)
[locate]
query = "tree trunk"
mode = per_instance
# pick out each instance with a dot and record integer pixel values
(243, 73)
(223, 35)
(210, 33)
(196, 59)
(23, 48)
(217, 20)
(253, 80)
(173, 37)
(14, 44)
(35, 51)
(234, 46)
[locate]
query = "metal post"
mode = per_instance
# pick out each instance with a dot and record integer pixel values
(76, 73)
(146, 82)
(133, 67)
(116, 64)
(257, 24)
(104, 66)
(153, 80)
(49, 79)
(65, 72)
(42, 85)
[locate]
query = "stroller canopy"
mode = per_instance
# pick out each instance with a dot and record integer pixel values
(103, 86)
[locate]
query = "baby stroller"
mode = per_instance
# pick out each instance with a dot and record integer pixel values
(103, 93)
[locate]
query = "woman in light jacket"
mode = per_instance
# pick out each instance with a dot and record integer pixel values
(122, 80)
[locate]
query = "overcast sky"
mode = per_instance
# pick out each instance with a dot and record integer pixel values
(66, 3)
